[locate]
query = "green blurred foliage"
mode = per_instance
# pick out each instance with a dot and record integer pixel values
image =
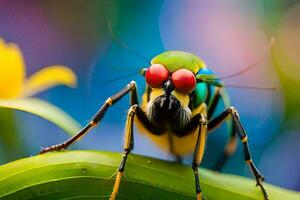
(282, 20)
(11, 145)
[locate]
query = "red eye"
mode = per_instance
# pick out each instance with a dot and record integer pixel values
(184, 80)
(156, 75)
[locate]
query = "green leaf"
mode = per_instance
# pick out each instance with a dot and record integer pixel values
(87, 175)
(45, 110)
(12, 146)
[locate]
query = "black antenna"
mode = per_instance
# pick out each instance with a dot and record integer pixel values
(249, 87)
(140, 72)
(122, 44)
(121, 77)
(272, 41)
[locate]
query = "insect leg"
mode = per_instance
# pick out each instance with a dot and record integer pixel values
(198, 153)
(128, 146)
(228, 151)
(221, 95)
(232, 112)
(131, 87)
(214, 102)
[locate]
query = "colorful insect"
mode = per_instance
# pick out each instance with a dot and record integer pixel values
(176, 111)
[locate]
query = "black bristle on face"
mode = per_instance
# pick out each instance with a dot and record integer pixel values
(166, 108)
(167, 112)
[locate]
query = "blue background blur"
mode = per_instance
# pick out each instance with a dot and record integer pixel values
(227, 35)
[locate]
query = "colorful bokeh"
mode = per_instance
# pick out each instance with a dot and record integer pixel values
(228, 35)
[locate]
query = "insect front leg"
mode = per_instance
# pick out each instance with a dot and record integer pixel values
(220, 96)
(128, 146)
(228, 151)
(131, 87)
(232, 112)
(198, 153)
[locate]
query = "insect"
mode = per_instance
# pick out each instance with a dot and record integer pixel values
(176, 112)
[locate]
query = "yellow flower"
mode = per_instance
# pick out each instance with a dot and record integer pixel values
(15, 88)
(13, 81)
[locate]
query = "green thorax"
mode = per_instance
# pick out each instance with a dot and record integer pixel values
(174, 60)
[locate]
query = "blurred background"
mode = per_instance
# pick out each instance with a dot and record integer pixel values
(228, 35)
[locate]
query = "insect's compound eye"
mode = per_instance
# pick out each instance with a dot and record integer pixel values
(156, 75)
(184, 80)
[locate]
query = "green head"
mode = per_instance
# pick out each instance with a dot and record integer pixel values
(174, 60)
(176, 84)
(178, 71)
